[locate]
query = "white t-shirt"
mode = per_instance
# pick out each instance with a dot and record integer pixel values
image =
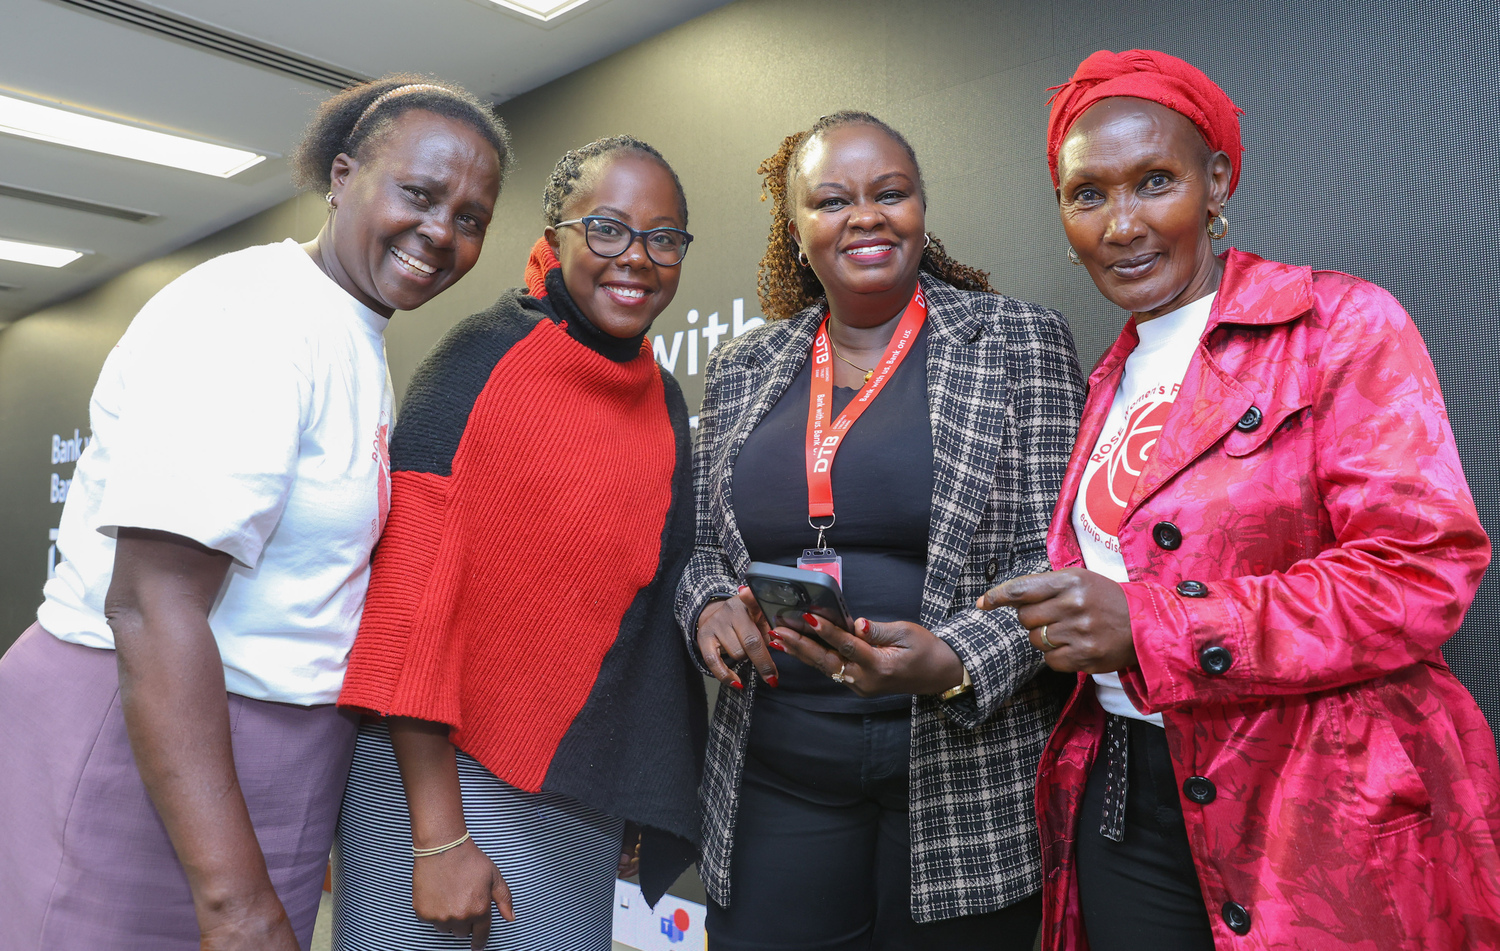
(1153, 374)
(247, 407)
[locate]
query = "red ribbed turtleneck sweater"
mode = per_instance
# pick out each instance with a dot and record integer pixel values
(541, 517)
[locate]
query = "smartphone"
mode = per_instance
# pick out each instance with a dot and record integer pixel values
(785, 594)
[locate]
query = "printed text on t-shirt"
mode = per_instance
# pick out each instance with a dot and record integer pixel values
(1118, 461)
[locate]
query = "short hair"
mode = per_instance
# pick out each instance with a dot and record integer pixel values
(347, 120)
(784, 284)
(566, 177)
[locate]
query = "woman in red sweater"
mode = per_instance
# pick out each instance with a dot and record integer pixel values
(527, 724)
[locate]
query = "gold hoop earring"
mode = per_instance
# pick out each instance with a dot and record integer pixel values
(329, 198)
(1073, 256)
(1223, 224)
(802, 259)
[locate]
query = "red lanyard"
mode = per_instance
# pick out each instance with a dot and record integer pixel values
(822, 439)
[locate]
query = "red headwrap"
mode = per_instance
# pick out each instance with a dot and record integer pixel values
(1147, 74)
(541, 261)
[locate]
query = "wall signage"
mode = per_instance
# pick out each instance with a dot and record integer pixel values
(64, 451)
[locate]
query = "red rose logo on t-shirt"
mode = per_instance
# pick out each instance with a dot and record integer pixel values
(1114, 481)
(382, 455)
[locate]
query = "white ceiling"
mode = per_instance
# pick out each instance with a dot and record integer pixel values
(53, 51)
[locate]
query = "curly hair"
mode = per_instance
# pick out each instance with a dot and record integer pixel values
(567, 177)
(784, 284)
(347, 120)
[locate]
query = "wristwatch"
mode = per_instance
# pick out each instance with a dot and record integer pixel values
(965, 687)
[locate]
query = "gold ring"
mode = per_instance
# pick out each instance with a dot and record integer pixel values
(839, 678)
(1045, 641)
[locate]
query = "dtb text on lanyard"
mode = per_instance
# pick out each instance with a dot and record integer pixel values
(824, 436)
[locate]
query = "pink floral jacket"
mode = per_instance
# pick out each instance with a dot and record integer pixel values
(1340, 786)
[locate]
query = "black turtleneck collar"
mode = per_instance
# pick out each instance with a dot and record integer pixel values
(579, 328)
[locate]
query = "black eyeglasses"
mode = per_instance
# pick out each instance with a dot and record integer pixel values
(610, 237)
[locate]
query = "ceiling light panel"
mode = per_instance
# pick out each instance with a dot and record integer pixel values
(33, 120)
(543, 10)
(25, 253)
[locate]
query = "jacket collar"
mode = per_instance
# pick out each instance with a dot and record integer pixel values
(1252, 292)
(1257, 292)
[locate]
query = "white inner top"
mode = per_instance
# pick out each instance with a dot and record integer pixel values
(247, 407)
(1153, 374)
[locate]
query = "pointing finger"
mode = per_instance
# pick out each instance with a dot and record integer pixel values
(1026, 589)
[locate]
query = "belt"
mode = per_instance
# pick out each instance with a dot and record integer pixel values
(1116, 776)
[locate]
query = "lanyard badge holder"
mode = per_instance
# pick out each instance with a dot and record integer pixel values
(822, 558)
(823, 438)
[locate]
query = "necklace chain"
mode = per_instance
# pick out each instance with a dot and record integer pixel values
(867, 373)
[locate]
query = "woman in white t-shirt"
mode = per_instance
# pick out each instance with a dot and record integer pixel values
(216, 544)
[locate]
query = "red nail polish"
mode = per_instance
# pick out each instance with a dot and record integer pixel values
(864, 625)
(771, 681)
(736, 685)
(776, 644)
(811, 619)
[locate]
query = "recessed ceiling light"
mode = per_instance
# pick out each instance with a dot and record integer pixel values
(543, 10)
(33, 120)
(25, 253)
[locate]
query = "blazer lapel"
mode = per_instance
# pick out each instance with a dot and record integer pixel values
(967, 401)
(767, 364)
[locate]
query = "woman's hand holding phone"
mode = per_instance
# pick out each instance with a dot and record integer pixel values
(882, 658)
(732, 630)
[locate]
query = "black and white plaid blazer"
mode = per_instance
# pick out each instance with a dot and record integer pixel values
(1004, 392)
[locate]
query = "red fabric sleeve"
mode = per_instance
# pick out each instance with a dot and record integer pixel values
(392, 669)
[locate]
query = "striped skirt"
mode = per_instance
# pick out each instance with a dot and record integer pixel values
(559, 859)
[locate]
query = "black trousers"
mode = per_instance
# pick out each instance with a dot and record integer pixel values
(1140, 894)
(822, 848)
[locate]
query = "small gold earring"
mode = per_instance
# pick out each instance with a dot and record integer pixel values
(802, 259)
(1073, 256)
(1223, 224)
(329, 198)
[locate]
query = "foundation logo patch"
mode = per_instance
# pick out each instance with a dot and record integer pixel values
(1123, 460)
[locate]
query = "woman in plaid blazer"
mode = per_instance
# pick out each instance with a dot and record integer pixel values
(828, 814)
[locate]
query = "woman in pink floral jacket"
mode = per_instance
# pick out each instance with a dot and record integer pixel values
(1264, 537)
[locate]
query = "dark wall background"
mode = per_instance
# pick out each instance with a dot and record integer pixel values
(1370, 141)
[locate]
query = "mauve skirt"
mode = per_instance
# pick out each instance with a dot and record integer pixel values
(84, 860)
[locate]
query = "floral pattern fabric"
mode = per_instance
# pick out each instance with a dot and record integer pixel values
(1340, 787)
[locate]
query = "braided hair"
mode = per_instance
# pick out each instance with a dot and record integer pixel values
(347, 120)
(568, 177)
(784, 284)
